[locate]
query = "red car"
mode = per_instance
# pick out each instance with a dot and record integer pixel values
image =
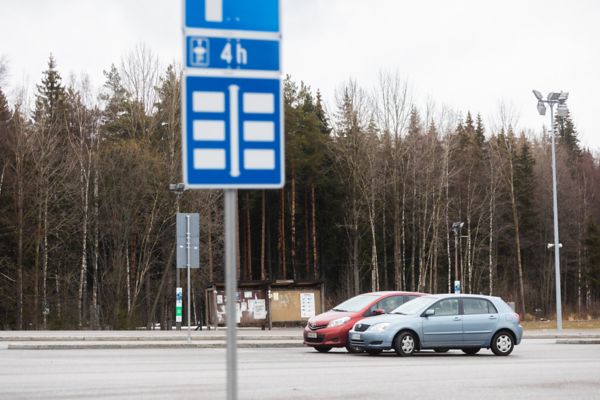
(330, 329)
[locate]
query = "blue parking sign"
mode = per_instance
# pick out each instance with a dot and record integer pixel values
(232, 54)
(233, 133)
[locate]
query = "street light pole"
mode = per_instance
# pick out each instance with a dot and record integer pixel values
(562, 111)
(456, 227)
(177, 189)
(556, 241)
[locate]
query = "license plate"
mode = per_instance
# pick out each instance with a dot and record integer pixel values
(355, 336)
(311, 335)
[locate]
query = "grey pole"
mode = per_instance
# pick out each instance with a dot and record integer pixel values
(556, 241)
(231, 290)
(188, 260)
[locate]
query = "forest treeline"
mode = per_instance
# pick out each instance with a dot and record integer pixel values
(373, 187)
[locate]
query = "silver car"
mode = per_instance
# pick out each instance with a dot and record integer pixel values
(441, 322)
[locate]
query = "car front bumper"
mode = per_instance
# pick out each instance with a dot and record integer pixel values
(370, 340)
(334, 337)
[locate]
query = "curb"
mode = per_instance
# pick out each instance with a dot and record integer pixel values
(141, 338)
(578, 341)
(119, 346)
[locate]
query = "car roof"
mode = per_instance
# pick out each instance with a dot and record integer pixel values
(461, 295)
(392, 292)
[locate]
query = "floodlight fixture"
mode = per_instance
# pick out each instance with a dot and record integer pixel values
(176, 187)
(541, 107)
(553, 96)
(562, 110)
(537, 94)
(457, 226)
(563, 96)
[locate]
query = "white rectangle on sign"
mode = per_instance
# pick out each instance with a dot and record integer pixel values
(213, 10)
(208, 102)
(209, 130)
(209, 159)
(259, 103)
(259, 159)
(260, 309)
(259, 131)
(307, 305)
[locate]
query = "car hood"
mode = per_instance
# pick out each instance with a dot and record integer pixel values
(327, 317)
(383, 318)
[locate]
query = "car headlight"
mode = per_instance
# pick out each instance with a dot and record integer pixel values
(379, 327)
(338, 322)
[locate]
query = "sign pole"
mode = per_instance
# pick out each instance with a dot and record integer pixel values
(188, 235)
(231, 290)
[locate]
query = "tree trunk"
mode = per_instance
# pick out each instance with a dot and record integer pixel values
(293, 226)
(248, 241)
(515, 215)
(263, 223)
(82, 294)
(45, 303)
(282, 262)
(210, 249)
(316, 271)
(306, 237)
(96, 255)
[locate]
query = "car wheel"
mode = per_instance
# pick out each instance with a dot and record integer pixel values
(471, 351)
(322, 349)
(353, 349)
(502, 343)
(405, 344)
(442, 350)
(373, 352)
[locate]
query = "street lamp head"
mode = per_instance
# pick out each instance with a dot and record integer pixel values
(552, 96)
(562, 110)
(176, 187)
(537, 94)
(541, 107)
(563, 96)
(456, 227)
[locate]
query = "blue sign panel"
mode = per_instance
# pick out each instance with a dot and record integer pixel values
(233, 132)
(242, 54)
(247, 15)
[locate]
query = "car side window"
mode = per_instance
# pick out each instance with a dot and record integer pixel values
(478, 306)
(409, 298)
(390, 303)
(445, 307)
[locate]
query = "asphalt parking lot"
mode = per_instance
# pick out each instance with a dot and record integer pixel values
(537, 369)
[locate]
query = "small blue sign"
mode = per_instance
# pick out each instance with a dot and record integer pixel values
(233, 133)
(198, 52)
(247, 15)
(224, 53)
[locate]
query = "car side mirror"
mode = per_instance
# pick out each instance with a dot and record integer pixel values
(429, 312)
(378, 311)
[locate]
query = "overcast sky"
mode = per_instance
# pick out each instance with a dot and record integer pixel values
(467, 54)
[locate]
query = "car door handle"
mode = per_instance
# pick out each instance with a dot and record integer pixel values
(492, 317)
(457, 318)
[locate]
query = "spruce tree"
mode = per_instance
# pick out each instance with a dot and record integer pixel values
(479, 130)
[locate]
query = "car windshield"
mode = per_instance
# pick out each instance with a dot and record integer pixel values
(414, 306)
(357, 303)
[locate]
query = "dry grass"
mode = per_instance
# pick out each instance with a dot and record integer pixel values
(582, 324)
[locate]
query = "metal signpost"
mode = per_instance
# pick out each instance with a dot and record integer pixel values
(232, 116)
(188, 256)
